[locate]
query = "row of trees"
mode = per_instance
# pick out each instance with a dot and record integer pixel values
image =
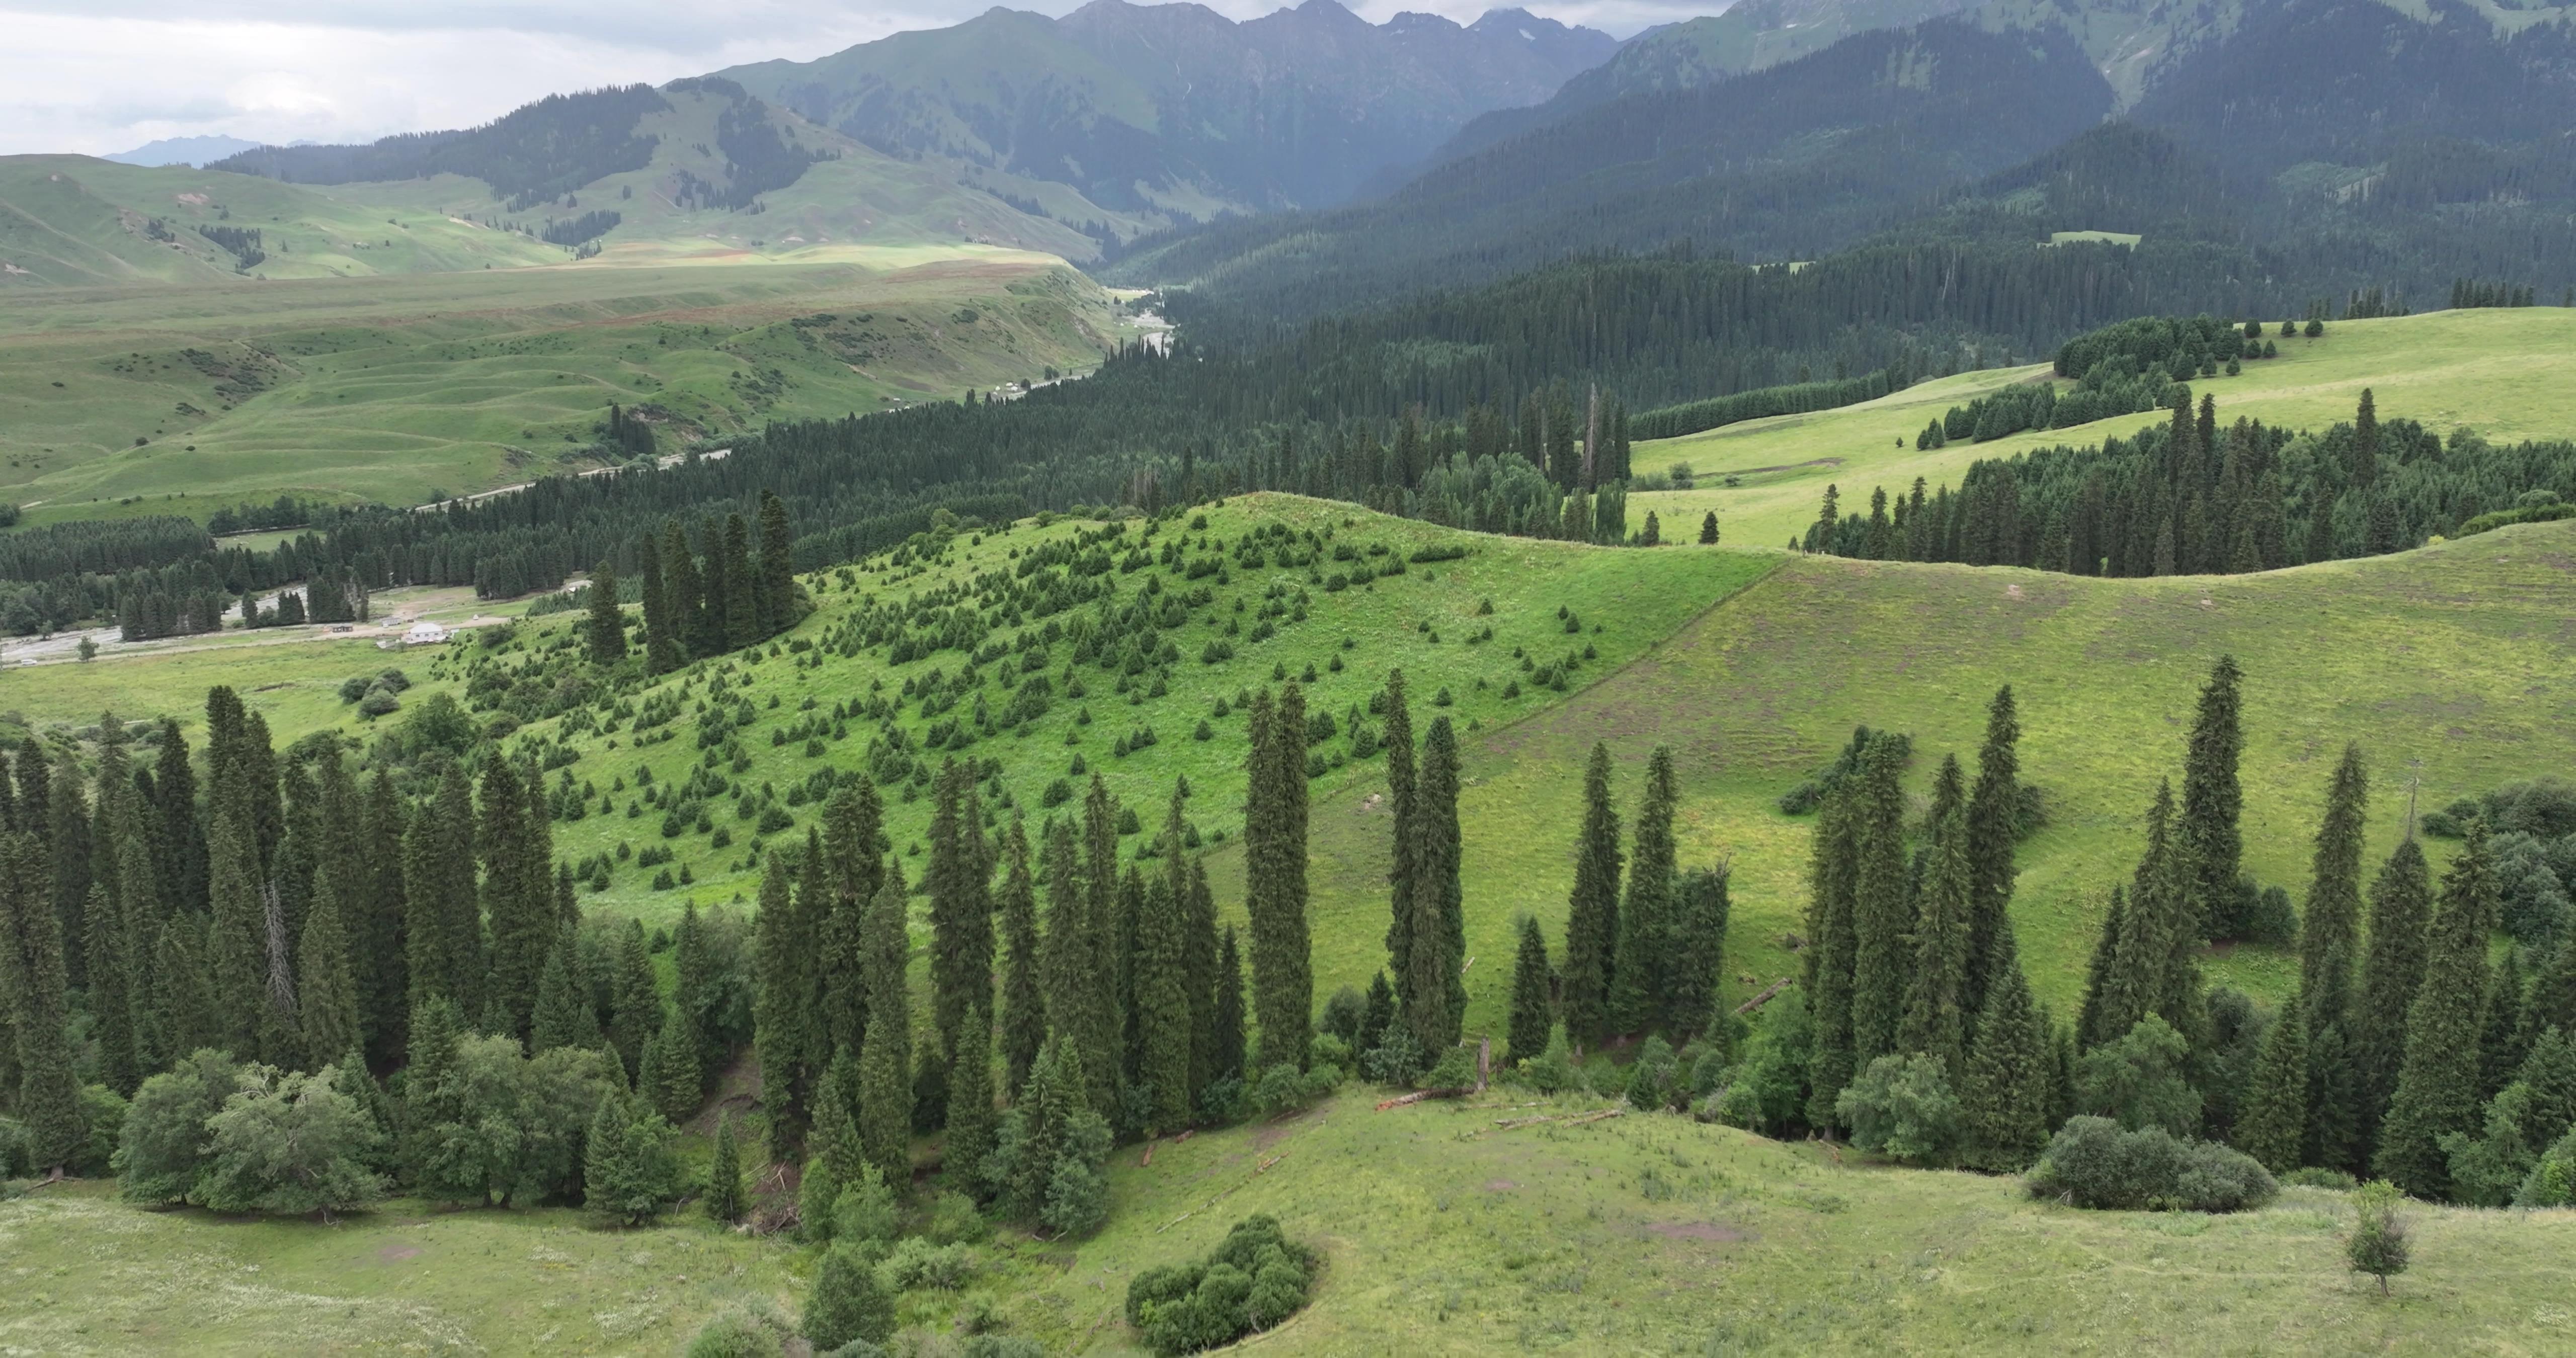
(2193, 497)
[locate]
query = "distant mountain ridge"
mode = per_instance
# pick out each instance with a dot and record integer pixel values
(183, 151)
(1176, 112)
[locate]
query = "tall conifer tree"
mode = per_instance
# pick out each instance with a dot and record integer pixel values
(2401, 907)
(605, 628)
(1697, 962)
(1400, 793)
(444, 928)
(1275, 884)
(48, 1093)
(1227, 1030)
(1994, 828)
(1638, 990)
(518, 896)
(2273, 1126)
(1882, 908)
(1533, 1009)
(1592, 909)
(661, 631)
(1162, 1022)
(2437, 1084)
(1936, 1021)
(378, 939)
(1833, 877)
(885, 1093)
(684, 595)
(2212, 799)
(1024, 1018)
(1199, 977)
(2007, 1095)
(784, 1014)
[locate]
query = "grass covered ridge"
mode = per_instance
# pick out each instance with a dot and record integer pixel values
(2508, 373)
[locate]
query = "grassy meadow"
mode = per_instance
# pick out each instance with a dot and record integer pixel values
(2509, 374)
(1442, 1232)
(188, 397)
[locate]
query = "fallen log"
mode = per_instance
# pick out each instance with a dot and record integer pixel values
(1759, 1000)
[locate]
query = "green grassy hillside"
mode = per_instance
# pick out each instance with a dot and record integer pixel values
(2510, 374)
(1441, 1232)
(68, 221)
(195, 396)
(1754, 666)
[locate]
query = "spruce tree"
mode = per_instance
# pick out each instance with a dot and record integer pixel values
(1400, 801)
(1024, 1019)
(2089, 1021)
(724, 1199)
(1067, 949)
(518, 895)
(378, 944)
(2273, 1127)
(2007, 1095)
(676, 1082)
(885, 1063)
(2212, 844)
(853, 845)
(67, 840)
(961, 908)
(1439, 903)
(971, 1115)
(1994, 828)
(1638, 992)
(1226, 1028)
(111, 965)
(327, 986)
(783, 1015)
(2329, 934)
(1200, 973)
(1162, 1022)
(2437, 1083)
(1832, 942)
(563, 1017)
(1697, 962)
(2499, 1051)
(2401, 907)
(1533, 1009)
(48, 1093)
(185, 1013)
(684, 596)
(1935, 1022)
(2152, 971)
(443, 934)
(661, 631)
(635, 999)
(777, 569)
(237, 941)
(1103, 1050)
(1275, 882)
(1592, 910)
(1882, 908)
(742, 617)
(693, 987)
(605, 628)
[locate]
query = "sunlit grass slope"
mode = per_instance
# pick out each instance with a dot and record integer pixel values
(186, 398)
(1442, 1232)
(2509, 374)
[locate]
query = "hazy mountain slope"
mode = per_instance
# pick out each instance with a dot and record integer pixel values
(1749, 36)
(695, 166)
(1783, 163)
(75, 220)
(1175, 111)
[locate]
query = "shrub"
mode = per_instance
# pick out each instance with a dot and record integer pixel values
(1650, 1076)
(2092, 1162)
(1254, 1278)
(1766, 1092)
(863, 1213)
(747, 1329)
(2552, 1182)
(918, 1263)
(1455, 1070)
(1902, 1108)
(2138, 1080)
(847, 1303)
(2317, 1176)
(2377, 1245)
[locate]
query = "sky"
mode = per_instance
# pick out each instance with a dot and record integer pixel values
(102, 76)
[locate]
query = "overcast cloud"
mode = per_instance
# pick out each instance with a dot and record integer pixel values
(101, 76)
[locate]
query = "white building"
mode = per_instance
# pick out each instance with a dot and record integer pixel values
(424, 634)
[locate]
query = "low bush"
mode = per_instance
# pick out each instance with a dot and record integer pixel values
(2093, 1163)
(1255, 1278)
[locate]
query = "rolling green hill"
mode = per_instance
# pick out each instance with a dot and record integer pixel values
(2508, 373)
(1442, 1232)
(1441, 1224)
(196, 396)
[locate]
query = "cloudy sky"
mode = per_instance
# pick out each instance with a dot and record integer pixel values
(101, 76)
